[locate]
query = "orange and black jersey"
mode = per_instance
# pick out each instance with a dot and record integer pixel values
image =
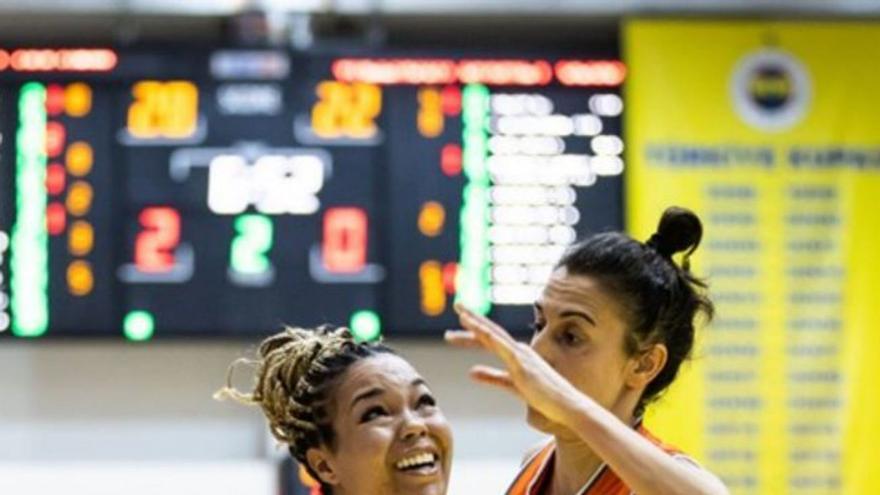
(534, 476)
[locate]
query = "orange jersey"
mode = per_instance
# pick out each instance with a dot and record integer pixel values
(534, 476)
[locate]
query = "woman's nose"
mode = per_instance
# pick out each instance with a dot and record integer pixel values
(541, 344)
(538, 343)
(414, 426)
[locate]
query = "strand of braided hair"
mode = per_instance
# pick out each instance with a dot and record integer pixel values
(296, 375)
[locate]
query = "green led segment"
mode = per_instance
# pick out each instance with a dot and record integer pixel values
(29, 261)
(475, 116)
(254, 239)
(4, 297)
(138, 326)
(473, 283)
(366, 326)
(474, 289)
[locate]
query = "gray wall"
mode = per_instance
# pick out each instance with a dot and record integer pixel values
(111, 402)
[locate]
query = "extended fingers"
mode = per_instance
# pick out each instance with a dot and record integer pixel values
(470, 323)
(492, 376)
(485, 324)
(463, 338)
(493, 337)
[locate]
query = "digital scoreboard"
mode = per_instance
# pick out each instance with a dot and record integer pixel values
(193, 192)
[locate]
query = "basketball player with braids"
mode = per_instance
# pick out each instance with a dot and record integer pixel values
(356, 415)
(612, 327)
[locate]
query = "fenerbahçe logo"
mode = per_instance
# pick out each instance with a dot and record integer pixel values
(771, 90)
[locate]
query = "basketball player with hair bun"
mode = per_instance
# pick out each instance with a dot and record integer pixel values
(611, 330)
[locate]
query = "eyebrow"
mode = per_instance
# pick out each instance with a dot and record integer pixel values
(367, 394)
(376, 391)
(577, 314)
(571, 313)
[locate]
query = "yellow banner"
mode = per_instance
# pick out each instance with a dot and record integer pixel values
(770, 131)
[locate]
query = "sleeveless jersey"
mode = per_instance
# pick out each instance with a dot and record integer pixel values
(534, 476)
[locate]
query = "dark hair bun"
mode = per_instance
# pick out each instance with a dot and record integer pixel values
(679, 230)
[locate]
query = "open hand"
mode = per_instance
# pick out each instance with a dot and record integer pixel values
(527, 374)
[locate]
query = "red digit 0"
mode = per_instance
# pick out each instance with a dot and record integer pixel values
(344, 249)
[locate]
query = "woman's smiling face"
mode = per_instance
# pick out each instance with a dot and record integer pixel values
(389, 435)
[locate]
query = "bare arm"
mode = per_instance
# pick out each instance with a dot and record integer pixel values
(644, 467)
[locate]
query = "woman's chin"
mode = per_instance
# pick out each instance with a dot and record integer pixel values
(423, 481)
(540, 422)
(435, 488)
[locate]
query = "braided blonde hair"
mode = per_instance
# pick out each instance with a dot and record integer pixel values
(297, 371)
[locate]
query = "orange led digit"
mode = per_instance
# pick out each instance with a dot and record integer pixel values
(79, 158)
(431, 283)
(78, 99)
(142, 119)
(430, 116)
(163, 110)
(80, 279)
(346, 110)
(366, 104)
(328, 111)
(80, 238)
(79, 198)
(180, 107)
(432, 218)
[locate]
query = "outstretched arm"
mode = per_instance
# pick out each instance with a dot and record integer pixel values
(645, 468)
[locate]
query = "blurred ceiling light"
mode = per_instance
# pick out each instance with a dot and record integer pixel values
(188, 7)
(486, 7)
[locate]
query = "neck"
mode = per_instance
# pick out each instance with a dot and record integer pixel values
(575, 462)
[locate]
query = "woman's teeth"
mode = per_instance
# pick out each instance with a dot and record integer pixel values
(417, 460)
